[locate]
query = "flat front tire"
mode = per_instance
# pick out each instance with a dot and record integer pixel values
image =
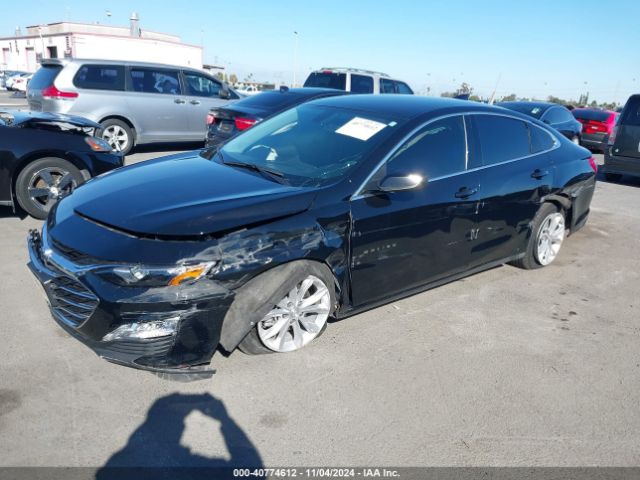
(547, 235)
(296, 319)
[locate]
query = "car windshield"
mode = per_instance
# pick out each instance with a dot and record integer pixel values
(311, 145)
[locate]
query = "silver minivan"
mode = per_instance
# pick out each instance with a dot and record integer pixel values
(135, 102)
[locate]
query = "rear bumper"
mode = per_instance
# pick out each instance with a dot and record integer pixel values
(185, 355)
(621, 165)
(596, 142)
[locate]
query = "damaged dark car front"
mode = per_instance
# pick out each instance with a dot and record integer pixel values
(328, 209)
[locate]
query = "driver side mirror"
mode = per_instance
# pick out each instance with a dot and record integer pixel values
(224, 93)
(396, 184)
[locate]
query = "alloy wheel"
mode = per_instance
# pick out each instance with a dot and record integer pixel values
(550, 238)
(298, 318)
(116, 137)
(48, 185)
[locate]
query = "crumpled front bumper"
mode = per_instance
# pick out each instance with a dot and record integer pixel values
(88, 308)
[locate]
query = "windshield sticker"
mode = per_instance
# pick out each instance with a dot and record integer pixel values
(535, 110)
(393, 124)
(360, 128)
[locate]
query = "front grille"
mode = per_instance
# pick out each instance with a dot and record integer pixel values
(71, 301)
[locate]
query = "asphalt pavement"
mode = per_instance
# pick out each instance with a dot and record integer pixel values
(504, 368)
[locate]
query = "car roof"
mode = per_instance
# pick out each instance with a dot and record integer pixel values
(541, 105)
(594, 109)
(66, 61)
(405, 106)
(310, 91)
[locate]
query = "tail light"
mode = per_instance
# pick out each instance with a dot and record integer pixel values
(53, 92)
(612, 136)
(593, 126)
(594, 165)
(211, 119)
(244, 123)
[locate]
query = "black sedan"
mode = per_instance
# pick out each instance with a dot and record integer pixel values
(554, 115)
(44, 156)
(325, 210)
(226, 122)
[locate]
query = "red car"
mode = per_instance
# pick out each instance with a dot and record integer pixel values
(597, 125)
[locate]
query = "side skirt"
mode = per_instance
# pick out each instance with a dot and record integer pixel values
(428, 286)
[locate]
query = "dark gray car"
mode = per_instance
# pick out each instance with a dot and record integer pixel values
(622, 157)
(134, 102)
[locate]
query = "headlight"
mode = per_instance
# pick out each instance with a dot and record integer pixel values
(142, 276)
(98, 144)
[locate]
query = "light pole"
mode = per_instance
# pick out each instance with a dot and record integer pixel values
(295, 58)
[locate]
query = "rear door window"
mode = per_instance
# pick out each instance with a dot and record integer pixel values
(438, 149)
(100, 77)
(361, 83)
(44, 77)
(327, 79)
(200, 85)
(387, 86)
(501, 138)
(152, 80)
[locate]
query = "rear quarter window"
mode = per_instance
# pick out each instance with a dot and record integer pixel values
(540, 140)
(100, 77)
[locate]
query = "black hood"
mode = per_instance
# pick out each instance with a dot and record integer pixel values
(185, 195)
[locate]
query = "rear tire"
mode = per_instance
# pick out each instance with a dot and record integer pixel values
(290, 325)
(612, 177)
(42, 183)
(547, 235)
(117, 134)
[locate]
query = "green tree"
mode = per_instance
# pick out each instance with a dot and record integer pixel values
(510, 98)
(233, 79)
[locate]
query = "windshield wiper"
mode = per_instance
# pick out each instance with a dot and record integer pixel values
(256, 168)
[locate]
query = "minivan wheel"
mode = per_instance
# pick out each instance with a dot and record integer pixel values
(548, 233)
(296, 319)
(43, 182)
(117, 134)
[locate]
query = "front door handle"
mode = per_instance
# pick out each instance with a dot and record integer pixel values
(194, 102)
(466, 192)
(179, 100)
(539, 174)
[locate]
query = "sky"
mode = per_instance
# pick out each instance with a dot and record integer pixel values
(533, 48)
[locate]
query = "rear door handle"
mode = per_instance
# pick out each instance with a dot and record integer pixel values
(179, 100)
(466, 192)
(194, 102)
(539, 174)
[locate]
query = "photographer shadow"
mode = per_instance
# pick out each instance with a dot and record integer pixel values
(153, 450)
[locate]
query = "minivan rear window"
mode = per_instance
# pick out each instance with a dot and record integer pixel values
(44, 77)
(337, 81)
(100, 77)
(596, 115)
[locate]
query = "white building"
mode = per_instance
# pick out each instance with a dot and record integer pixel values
(81, 40)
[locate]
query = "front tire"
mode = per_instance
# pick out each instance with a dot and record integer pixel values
(43, 182)
(297, 319)
(117, 134)
(547, 235)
